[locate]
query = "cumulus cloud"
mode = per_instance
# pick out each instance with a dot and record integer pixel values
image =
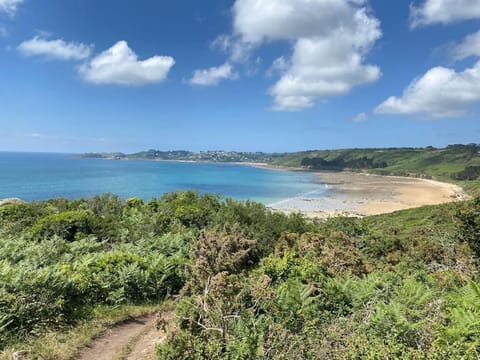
(320, 69)
(119, 65)
(470, 46)
(213, 75)
(330, 38)
(9, 6)
(440, 93)
(444, 12)
(263, 20)
(56, 49)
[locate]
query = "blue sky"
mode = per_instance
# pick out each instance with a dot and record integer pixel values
(249, 75)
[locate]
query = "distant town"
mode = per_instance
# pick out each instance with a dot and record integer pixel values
(182, 155)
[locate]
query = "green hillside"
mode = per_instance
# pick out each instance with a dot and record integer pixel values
(446, 164)
(441, 163)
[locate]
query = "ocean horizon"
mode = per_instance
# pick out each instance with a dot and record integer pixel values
(41, 176)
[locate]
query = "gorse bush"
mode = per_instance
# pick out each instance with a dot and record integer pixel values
(60, 258)
(468, 217)
(394, 286)
(248, 283)
(66, 225)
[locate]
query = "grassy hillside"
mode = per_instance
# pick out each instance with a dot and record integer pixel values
(446, 164)
(441, 163)
(246, 283)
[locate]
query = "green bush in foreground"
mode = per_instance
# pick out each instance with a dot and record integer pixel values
(61, 258)
(66, 225)
(347, 290)
(248, 283)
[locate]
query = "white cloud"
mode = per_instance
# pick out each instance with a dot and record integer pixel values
(119, 65)
(444, 11)
(470, 46)
(57, 49)
(279, 65)
(239, 51)
(361, 117)
(259, 20)
(330, 38)
(213, 75)
(440, 93)
(320, 69)
(9, 6)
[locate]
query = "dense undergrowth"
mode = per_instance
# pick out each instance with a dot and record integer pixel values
(59, 259)
(248, 283)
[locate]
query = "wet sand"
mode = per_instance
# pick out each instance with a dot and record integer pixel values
(358, 194)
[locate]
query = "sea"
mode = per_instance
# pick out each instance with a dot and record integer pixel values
(41, 176)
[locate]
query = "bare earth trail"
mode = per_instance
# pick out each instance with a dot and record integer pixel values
(132, 340)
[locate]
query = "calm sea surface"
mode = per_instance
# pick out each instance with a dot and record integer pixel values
(42, 176)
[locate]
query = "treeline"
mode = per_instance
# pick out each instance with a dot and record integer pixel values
(468, 150)
(469, 173)
(340, 163)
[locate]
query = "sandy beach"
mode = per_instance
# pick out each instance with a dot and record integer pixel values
(358, 194)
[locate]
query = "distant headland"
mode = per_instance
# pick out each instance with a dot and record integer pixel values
(182, 155)
(458, 162)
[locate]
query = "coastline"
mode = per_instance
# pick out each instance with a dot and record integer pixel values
(362, 194)
(350, 193)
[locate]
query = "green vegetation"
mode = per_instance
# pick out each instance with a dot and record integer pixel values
(455, 163)
(246, 283)
(340, 163)
(469, 173)
(61, 259)
(394, 286)
(422, 162)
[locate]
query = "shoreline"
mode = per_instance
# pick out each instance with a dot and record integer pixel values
(351, 193)
(358, 194)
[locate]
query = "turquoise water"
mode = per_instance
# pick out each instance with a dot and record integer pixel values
(33, 176)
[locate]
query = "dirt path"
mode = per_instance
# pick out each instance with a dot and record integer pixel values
(144, 348)
(132, 340)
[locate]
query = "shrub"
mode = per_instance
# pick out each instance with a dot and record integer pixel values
(66, 225)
